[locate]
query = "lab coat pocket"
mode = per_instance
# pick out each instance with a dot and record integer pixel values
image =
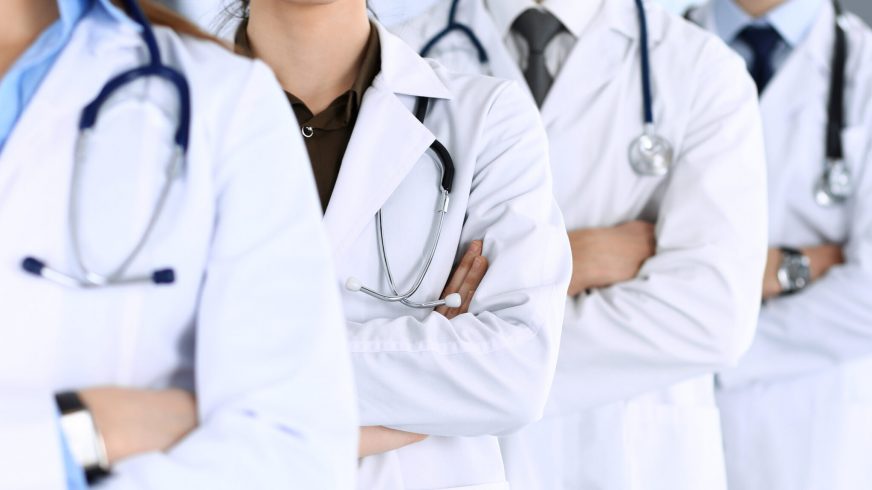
(674, 446)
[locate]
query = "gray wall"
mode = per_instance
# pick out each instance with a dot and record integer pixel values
(863, 8)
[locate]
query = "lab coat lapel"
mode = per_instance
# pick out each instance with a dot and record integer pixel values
(790, 90)
(594, 62)
(78, 74)
(386, 143)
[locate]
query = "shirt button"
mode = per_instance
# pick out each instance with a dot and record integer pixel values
(308, 131)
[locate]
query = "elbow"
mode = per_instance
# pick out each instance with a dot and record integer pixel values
(732, 336)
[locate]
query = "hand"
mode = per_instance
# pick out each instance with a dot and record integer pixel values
(134, 421)
(821, 259)
(465, 279)
(377, 440)
(602, 257)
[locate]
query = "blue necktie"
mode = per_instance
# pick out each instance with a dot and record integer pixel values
(762, 40)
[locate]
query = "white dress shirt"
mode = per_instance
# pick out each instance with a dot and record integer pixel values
(573, 14)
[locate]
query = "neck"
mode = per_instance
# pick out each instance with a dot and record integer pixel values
(315, 50)
(758, 8)
(21, 22)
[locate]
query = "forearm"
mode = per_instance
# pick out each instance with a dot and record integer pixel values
(826, 323)
(481, 373)
(679, 320)
(378, 440)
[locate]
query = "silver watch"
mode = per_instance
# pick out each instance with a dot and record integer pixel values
(794, 273)
(82, 437)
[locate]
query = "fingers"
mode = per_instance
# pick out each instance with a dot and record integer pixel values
(459, 277)
(473, 279)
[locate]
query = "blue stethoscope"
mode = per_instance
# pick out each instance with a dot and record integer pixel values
(650, 154)
(836, 183)
(86, 277)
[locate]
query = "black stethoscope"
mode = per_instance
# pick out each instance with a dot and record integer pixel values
(87, 278)
(453, 300)
(835, 184)
(650, 154)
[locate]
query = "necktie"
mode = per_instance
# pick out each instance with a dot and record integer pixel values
(538, 28)
(762, 40)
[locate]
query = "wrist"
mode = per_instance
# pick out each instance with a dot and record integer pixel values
(84, 440)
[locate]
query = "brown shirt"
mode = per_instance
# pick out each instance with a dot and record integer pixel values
(327, 133)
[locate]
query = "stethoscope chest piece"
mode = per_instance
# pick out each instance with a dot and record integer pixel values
(835, 185)
(651, 154)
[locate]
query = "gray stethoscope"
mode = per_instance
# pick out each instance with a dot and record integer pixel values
(650, 154)
(87, 278)
(452, 300)
(835, 184)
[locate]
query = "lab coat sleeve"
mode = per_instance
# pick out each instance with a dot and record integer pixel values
(30, 446)
(487, 371)
(693, 306)
(830, 322)
(273, 378)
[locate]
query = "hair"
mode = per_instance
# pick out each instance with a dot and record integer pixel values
(159, 15)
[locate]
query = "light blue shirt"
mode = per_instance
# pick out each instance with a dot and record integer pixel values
(19, 84)
(793, 20)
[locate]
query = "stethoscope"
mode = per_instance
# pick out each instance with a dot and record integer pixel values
(650, 154)
(86, 277)
(453, 300)
(835, 184)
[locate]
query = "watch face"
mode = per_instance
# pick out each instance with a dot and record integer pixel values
(794, 273)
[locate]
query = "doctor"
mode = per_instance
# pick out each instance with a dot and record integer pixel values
(375, 117)
(797, 412)
(667, 259)
(225, 286)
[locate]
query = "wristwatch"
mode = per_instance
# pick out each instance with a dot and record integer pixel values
(83, 439)
(794, 273)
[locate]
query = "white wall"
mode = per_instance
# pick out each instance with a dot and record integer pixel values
(205, 12)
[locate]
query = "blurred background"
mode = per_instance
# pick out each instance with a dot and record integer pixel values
(207, 12)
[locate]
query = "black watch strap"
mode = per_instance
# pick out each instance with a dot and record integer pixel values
(69, 402)
(790, 251)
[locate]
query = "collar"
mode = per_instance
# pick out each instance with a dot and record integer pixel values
(792, 19)
(575, 15)
(404, 72)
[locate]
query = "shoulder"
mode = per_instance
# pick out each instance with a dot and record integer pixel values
(695, 59)
(477, 93)
(695, 47)
(859, 69)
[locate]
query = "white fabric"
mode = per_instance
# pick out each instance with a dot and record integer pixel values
(253, 322)
(633, 387)
(811, 347)
(466, 380)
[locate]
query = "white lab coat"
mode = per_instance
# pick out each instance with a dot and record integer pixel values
(253, 322)
(484, 373)
(797, 412)
(615, 420)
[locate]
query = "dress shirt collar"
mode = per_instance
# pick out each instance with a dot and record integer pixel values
(793, 19)
(575, 15)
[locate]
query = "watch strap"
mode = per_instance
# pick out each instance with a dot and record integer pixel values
(95, 464)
